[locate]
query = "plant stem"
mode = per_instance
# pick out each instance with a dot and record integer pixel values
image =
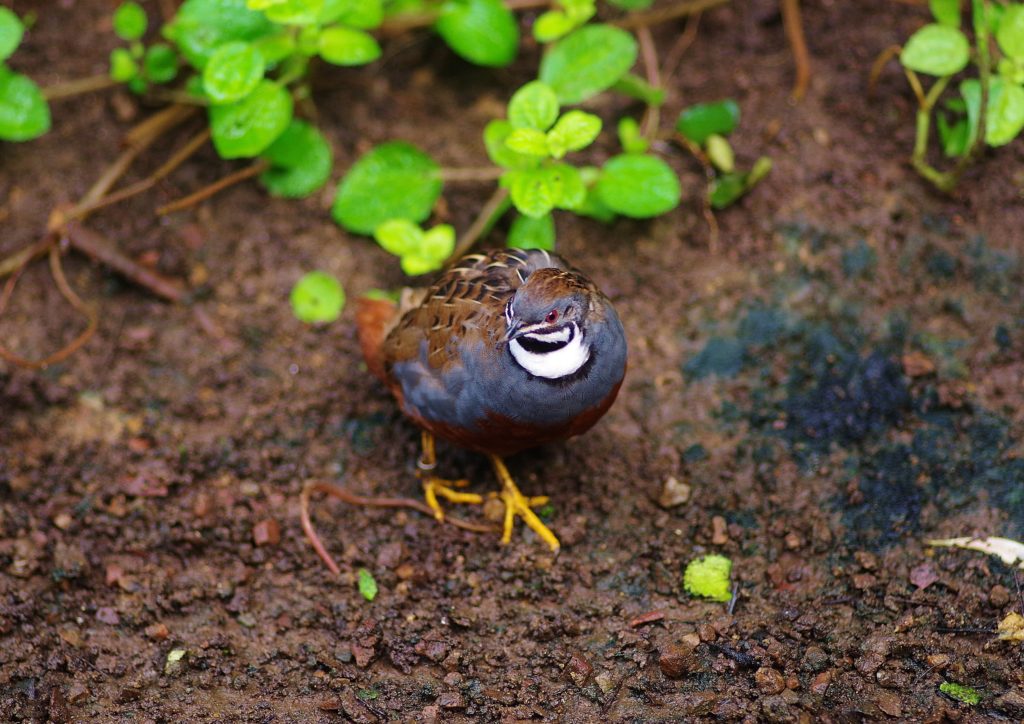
(217, 186)
(679, 10)
(490, 213)
(942, 181)
(876, 68)
(801, 58)
(649, 53)
(76, 87)
(484, 173)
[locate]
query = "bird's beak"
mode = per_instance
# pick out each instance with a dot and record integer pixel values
(513, 330)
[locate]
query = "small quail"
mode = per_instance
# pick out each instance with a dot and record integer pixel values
(508, 350)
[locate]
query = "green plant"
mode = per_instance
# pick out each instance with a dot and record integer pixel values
(961, 693)
(704, 128)
(989, 109)
(136, 65)
(24, 113)
(530, 149)
(708, 577)
(317, 297)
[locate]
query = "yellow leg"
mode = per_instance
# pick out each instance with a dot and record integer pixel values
(434, 486)
(518, 504)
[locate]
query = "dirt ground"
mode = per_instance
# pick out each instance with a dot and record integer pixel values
(839, 382)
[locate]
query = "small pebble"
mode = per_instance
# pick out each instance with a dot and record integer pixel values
(266, 533)
(999, 596)
(674, 493)
(769, 681)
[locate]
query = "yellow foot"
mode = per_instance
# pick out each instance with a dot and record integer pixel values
(517, 504)
(434, 487)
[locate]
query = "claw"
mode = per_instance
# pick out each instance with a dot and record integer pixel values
(517, 504)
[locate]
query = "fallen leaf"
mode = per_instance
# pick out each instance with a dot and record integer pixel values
(1011, 552)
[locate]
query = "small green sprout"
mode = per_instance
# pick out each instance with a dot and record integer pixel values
(566, 16)
(136, 65)
(708, 577)
(367, 586)
(704, 128)
(24, 113)
(961, 693)
(317, 297)
(943, 50)
(420, 251)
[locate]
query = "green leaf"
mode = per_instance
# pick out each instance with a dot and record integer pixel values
(535, 191)
(720, 153)
(634, 86)
(532, 233)
(762, 167)
(248, 127)
(122, 65)
(289, 12)
(630, 137)
(300, 161)
(726, 189)
(317, 297)
(361, 14)
(1005, 117)
(699, 121)
(160, 63)
(535, 105)
(970, 91)
(936, 50)
(11, 30)
(946, 12)
(552, 25)
(574, 131)
(233, 72)
(346, 46)
(638, 185)
(528, 141)
(400, 237)
(953, 137)
(496, 133)
(24, 114)
(570, 180)
(484, 32)
(438, 243)
(393, 181)
(961, 693)
(130, 21)
(592, 205)
(275, 48)
(201, 26)
(588, 61)
(1010, 35)
(708, 577)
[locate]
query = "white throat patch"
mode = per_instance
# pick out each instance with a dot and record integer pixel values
(560, 362)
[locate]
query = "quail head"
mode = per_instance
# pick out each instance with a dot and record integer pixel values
(508, 350)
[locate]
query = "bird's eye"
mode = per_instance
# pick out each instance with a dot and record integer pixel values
(552, 316)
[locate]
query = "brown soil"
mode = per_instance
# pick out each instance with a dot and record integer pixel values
(137, 478)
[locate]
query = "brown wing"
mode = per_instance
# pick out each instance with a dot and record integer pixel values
(464, 301)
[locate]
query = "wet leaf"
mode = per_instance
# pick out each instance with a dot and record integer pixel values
(535, 106)
(347, 46)
(317, 297)
(484, 32)
(301, 161)
(201, 26)
(638, 185)
(24, 113)
(588, 61)
(248, 127)
(233, 72)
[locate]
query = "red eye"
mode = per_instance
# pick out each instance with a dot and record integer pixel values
(552, 316)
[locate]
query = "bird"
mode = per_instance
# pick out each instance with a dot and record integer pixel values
(507, 351)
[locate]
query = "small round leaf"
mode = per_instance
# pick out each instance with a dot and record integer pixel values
(400, 237)
(638, 185)
(703, 119)
(233, 72)
(532, 233)
(936, 50)
(535, 105)
(1011, 31)
(528, 141)
(11, 30)
(24, 114)
(160, 63)
(300, 161)
(122, 65)
(438, 243)
(720, 153)
(481, 31)
(346, 46)
(317, 297)
(202, 26)
(552, 25)
(535, 191)
(588, 61)
(1005, 117)
(130, 21)
(946, 12)
(573, 131)
(393, 181)
(496, 133)
(246, 128)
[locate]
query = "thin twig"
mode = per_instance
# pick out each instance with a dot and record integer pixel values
(217, 186)
(655, 17)
(169, 166)
(649, 54)
(154, 126)
(346, 496)
(77, 87)
(879, 65)
(484, 173)
(798, 44)
(96, 247)
(489, 215)
(675, 54)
